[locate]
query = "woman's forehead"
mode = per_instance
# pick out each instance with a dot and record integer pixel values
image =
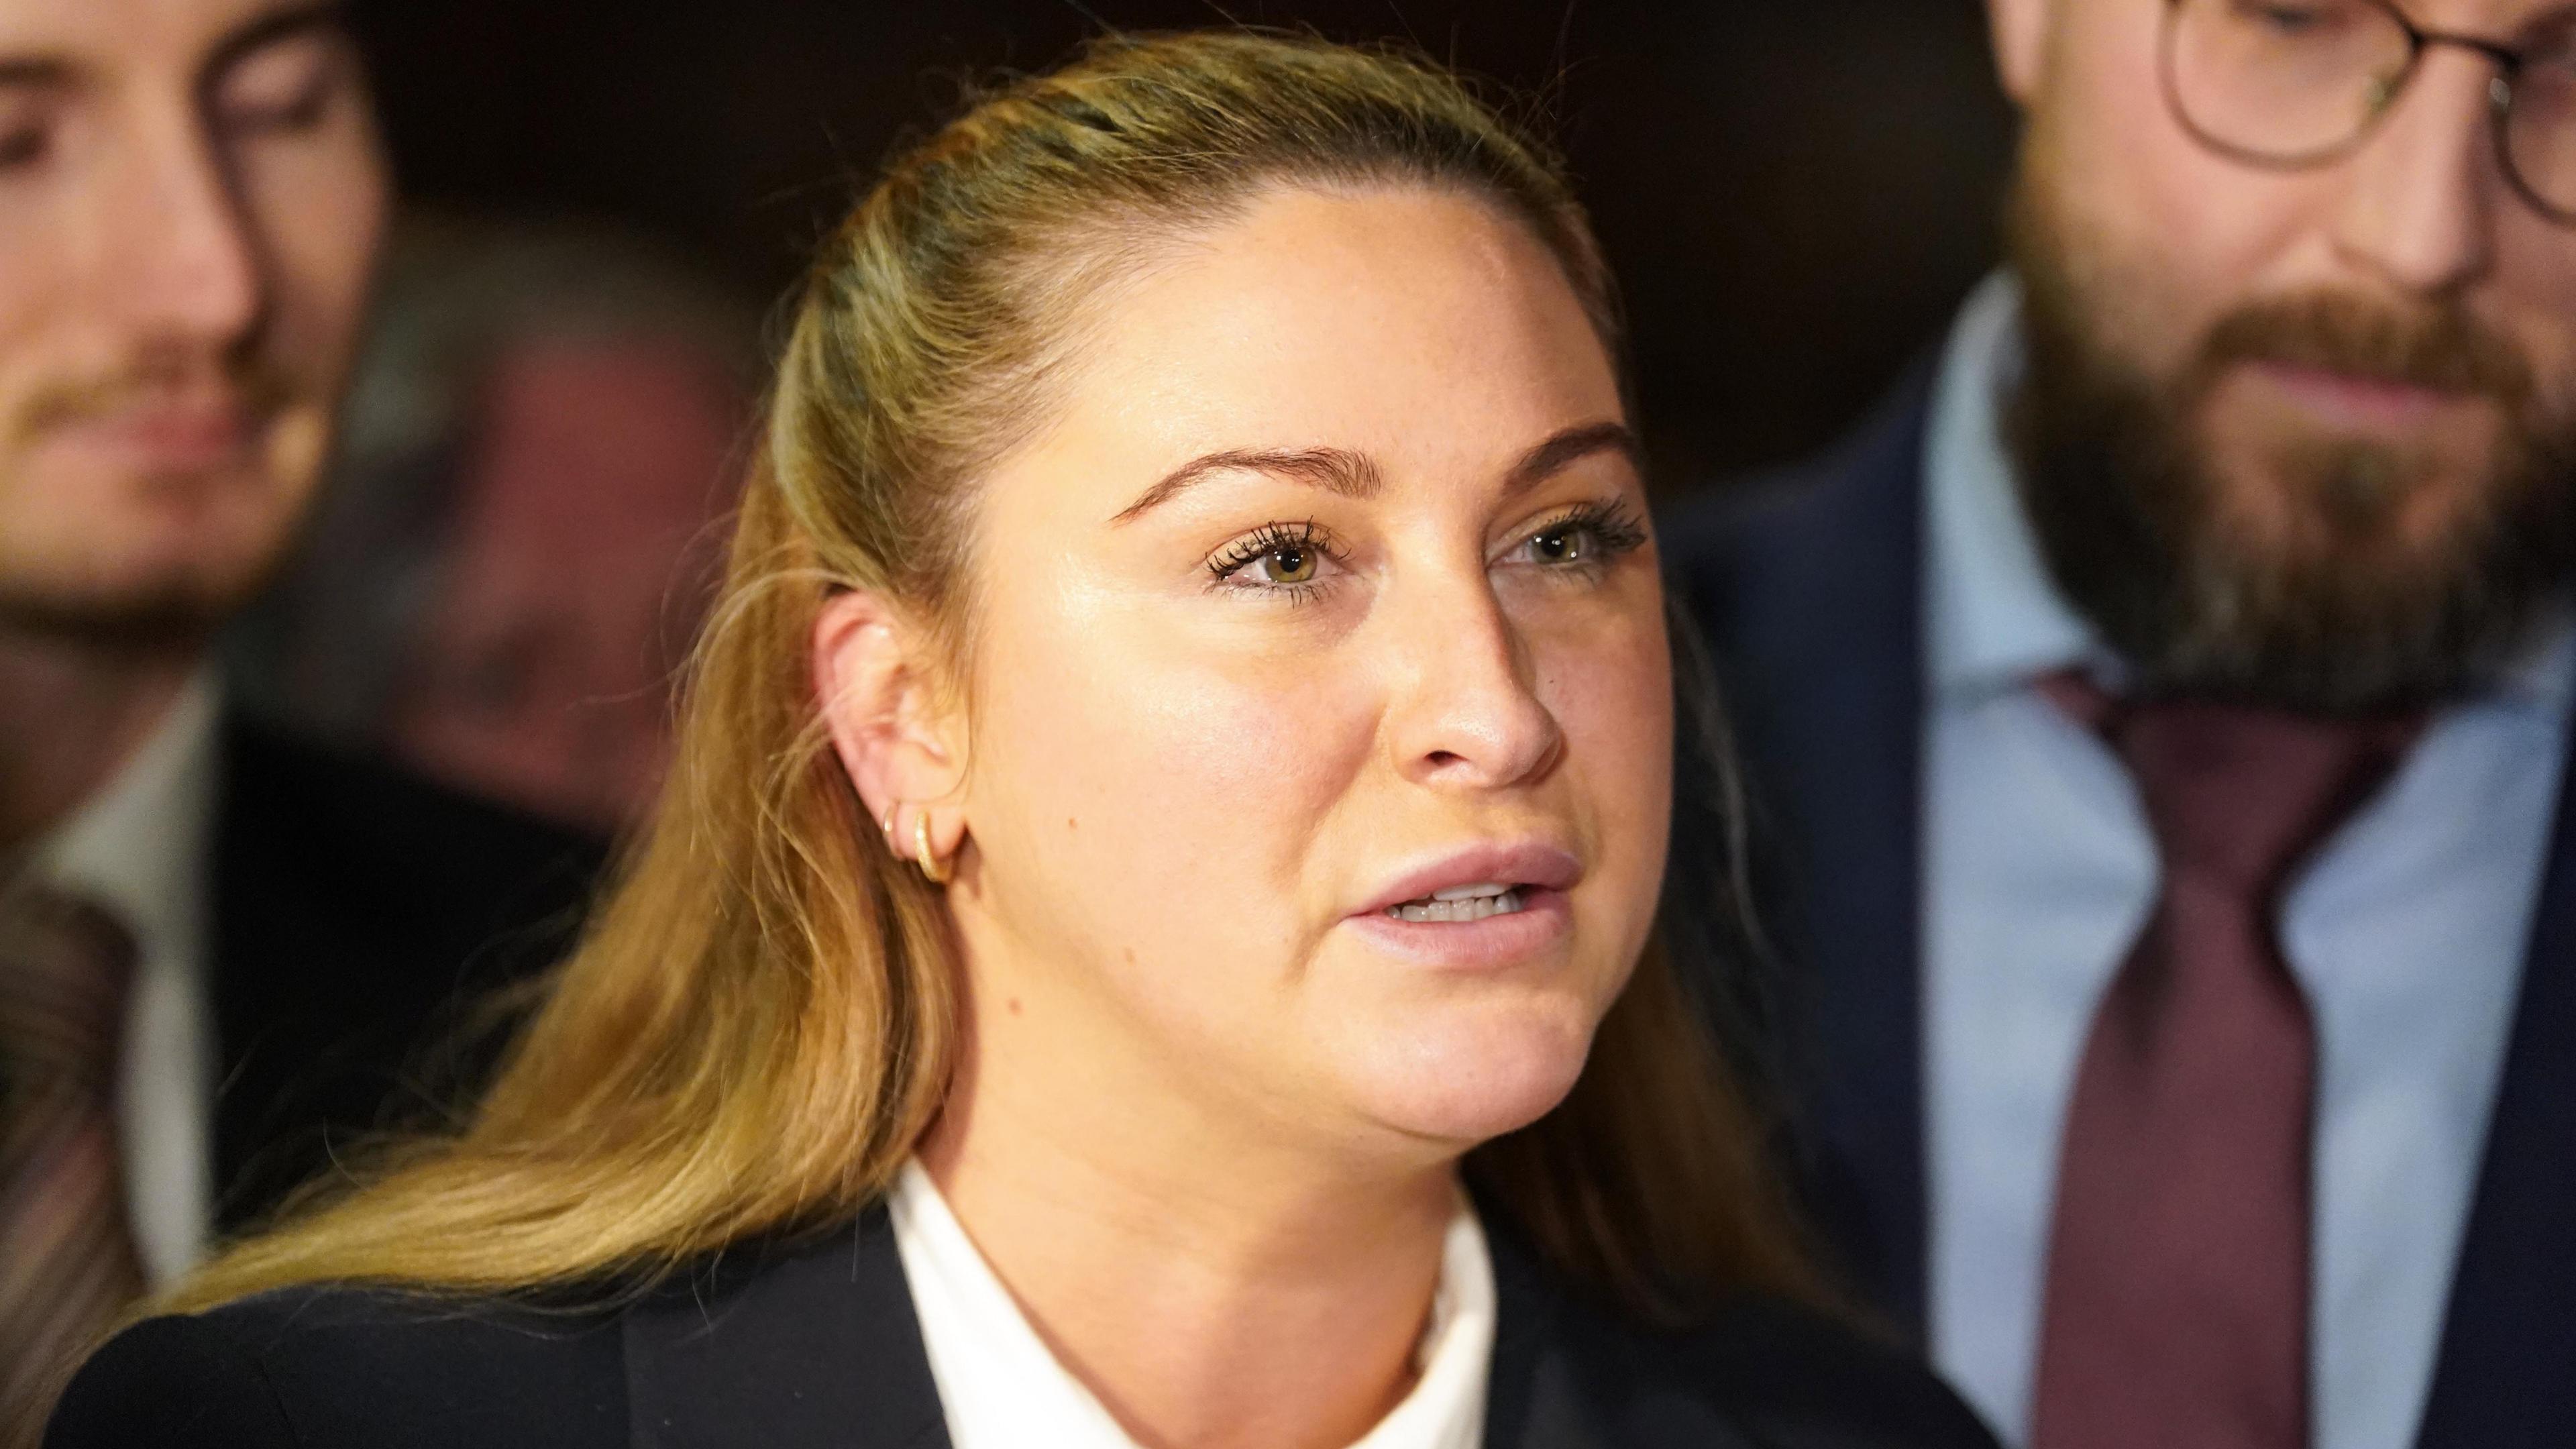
(1410, 324)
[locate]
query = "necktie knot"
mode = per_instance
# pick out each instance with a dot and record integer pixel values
(2238, 794)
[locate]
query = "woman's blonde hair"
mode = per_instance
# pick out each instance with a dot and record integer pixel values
(762, 1019)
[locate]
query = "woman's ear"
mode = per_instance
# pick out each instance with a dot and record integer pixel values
(877, 685)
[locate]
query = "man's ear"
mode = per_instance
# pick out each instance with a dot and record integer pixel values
(878, 686)
(2021, 29)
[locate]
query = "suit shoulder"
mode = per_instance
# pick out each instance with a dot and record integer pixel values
(330, 1367)
(339, 801)
(1794, 1376)
(178, 1381)
(1810, 512)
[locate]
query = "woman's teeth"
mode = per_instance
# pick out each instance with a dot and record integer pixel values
(1462, 903)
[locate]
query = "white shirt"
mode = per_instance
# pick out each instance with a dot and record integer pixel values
(140, 849)
(1001, 1387)
(2407, 931)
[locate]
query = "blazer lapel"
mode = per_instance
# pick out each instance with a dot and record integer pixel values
(814, 1347)
(1533, 1397)
(1813, 600)
(2509, 1338)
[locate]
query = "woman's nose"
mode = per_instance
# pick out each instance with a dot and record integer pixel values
(1464, 710)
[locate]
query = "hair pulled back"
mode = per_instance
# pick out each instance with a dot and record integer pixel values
(761, 1021)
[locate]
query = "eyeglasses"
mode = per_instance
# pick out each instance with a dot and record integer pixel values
(2290, 84)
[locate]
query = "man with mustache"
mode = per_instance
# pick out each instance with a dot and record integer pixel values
(216, 943)
(2164, 707)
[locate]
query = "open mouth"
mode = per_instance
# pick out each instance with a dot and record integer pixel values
(1461, 904)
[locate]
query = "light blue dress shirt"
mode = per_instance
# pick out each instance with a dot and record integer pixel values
(2407, 929)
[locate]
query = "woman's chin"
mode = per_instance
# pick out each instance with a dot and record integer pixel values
(1466, 1082)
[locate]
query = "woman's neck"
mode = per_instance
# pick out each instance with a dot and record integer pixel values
(1210, 1296)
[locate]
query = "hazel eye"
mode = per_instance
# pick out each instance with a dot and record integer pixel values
(1564, 544)
(1580, 539)
(1289, 564)
(1289, 559)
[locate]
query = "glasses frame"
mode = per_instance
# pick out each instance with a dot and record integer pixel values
(2509, 64)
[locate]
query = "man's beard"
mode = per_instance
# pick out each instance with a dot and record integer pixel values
(175, 609)
(2339, 613)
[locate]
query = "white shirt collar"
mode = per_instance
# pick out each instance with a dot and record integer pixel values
(139, 847)
(1996, 618)
(1002, 1388)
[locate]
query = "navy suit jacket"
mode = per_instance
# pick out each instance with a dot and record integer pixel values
(358, 910)
(1810, 590)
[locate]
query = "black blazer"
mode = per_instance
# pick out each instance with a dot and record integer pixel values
(815, 1345)
(355, 908)
(1810, 589)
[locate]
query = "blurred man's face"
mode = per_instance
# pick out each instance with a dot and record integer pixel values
(2303, 434)
(579, 563)
(190, 197)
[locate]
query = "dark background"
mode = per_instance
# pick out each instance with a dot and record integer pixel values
(1795, 192)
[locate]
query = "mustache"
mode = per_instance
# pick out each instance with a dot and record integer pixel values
(2442, 349)
(250, 385)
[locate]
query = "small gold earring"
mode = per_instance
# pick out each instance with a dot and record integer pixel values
(931, 865)
(887, 824)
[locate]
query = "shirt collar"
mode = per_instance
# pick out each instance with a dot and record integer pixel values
(138, 847)
(1002, 1386)
(1995, 618)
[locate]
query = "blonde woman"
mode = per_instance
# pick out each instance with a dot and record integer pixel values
(1148, 943)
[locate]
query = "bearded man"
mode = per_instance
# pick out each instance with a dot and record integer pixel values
(218, 946)
(2163, 704)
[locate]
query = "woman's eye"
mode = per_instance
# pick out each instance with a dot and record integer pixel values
(1292, 565)
(1586, 537)
(1275, 557)
(1564, 544)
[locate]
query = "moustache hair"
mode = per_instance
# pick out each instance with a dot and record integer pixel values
(251, 383)
(2442, 349)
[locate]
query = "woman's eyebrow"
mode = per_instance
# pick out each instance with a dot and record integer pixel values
(1562, 450)
(1356, 475)
(1337, 470)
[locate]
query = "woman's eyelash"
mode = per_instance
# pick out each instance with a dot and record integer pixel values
(1614, 526)
(1272, 539)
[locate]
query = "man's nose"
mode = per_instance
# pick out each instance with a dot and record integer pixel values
(2420, 209)
(184, 254)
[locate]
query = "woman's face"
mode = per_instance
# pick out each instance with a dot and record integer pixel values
(1329, 595)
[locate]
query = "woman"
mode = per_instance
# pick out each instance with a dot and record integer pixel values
(1148, 941)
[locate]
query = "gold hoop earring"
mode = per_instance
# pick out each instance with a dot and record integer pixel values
(931, 865)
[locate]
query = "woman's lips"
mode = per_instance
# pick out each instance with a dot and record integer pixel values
(1511, 863)
(1494, 942)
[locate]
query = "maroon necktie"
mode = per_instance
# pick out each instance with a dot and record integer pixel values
(2176, 1314)
(68, 1264)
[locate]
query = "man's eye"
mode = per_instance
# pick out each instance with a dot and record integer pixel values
(23, 147)
(291, 89)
